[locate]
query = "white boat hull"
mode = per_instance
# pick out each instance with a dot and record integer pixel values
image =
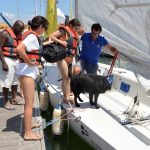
(101, 128)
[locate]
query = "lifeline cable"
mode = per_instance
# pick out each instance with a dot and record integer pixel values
(43, 126)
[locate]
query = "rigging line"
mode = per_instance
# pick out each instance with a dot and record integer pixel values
(132, 5)
(44, 125)
(135, 121)
(142, 19)
(132, 25)
(117, 6)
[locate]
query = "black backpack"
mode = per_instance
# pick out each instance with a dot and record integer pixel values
(54, 52)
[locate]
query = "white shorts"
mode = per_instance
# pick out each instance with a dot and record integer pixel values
(24, 70)
(8, 78)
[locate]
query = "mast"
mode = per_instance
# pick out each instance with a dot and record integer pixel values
(17, 9)
(40, 6)
(71, 14)
(35, 8)
(51, 15)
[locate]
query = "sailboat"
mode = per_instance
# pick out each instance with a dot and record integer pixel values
(123, 120)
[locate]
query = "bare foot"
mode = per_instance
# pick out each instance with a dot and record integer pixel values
(71, 100)
(71, 93)
(32, 136)
(20, 94)
(36, 124)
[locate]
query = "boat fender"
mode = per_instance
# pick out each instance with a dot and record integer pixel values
(78, 119)
(43, 100)
(57, 127)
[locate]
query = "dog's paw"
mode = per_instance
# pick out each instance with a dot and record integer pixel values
(97, 107)
(77, 105)
(91, 103)
(80, 100)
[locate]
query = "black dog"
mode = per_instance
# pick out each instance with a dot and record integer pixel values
(87, 83)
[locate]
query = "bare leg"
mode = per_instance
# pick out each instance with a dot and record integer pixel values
(63, 68)
(27, 84)
(20, 93)
(5, 94)
(6, 101)
(14, 92)
(15, 100)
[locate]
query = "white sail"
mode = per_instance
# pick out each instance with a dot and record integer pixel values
(126, 25)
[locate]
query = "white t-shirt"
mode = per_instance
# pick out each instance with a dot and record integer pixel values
(31, 43)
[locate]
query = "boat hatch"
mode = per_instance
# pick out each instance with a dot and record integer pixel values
(124, 87)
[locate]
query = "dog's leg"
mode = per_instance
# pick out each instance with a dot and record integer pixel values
(75, 99)
(91, 98)
(80, 99)
(95, 100)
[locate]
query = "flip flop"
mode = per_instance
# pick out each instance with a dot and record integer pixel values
(71, 94)
(9, 107)
(66, 101)
(35, 138)
(19, 94)
(16, 102)
(71, 101)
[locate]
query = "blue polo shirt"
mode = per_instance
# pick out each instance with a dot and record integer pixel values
(91, 49)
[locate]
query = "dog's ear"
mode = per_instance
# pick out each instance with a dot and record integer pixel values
(106, 86)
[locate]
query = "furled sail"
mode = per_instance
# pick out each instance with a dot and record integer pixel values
(126, 24)
(51, 15)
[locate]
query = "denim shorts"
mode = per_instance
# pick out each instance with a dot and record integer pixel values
(88, 67)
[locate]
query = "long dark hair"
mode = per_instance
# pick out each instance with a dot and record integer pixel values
(37, 21)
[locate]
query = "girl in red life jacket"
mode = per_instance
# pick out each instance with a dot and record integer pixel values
(27, 70)
(68, 37)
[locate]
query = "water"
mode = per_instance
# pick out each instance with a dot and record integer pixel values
(69, 140)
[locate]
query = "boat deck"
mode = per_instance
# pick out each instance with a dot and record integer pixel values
(104, 127)
(11, 128)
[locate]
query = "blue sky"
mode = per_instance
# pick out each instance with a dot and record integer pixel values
(26, 9)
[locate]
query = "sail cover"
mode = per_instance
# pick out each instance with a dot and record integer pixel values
(125, 23)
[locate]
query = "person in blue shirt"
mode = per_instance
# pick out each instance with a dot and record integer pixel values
(92, 44)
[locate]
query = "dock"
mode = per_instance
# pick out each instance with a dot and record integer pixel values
(11, 128)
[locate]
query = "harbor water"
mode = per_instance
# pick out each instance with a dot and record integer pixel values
(69, 140)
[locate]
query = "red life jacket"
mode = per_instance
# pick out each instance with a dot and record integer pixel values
(9, 48)
(34, 54)
(72, 40)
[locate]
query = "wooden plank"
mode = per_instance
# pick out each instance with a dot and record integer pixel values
(11, 128)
